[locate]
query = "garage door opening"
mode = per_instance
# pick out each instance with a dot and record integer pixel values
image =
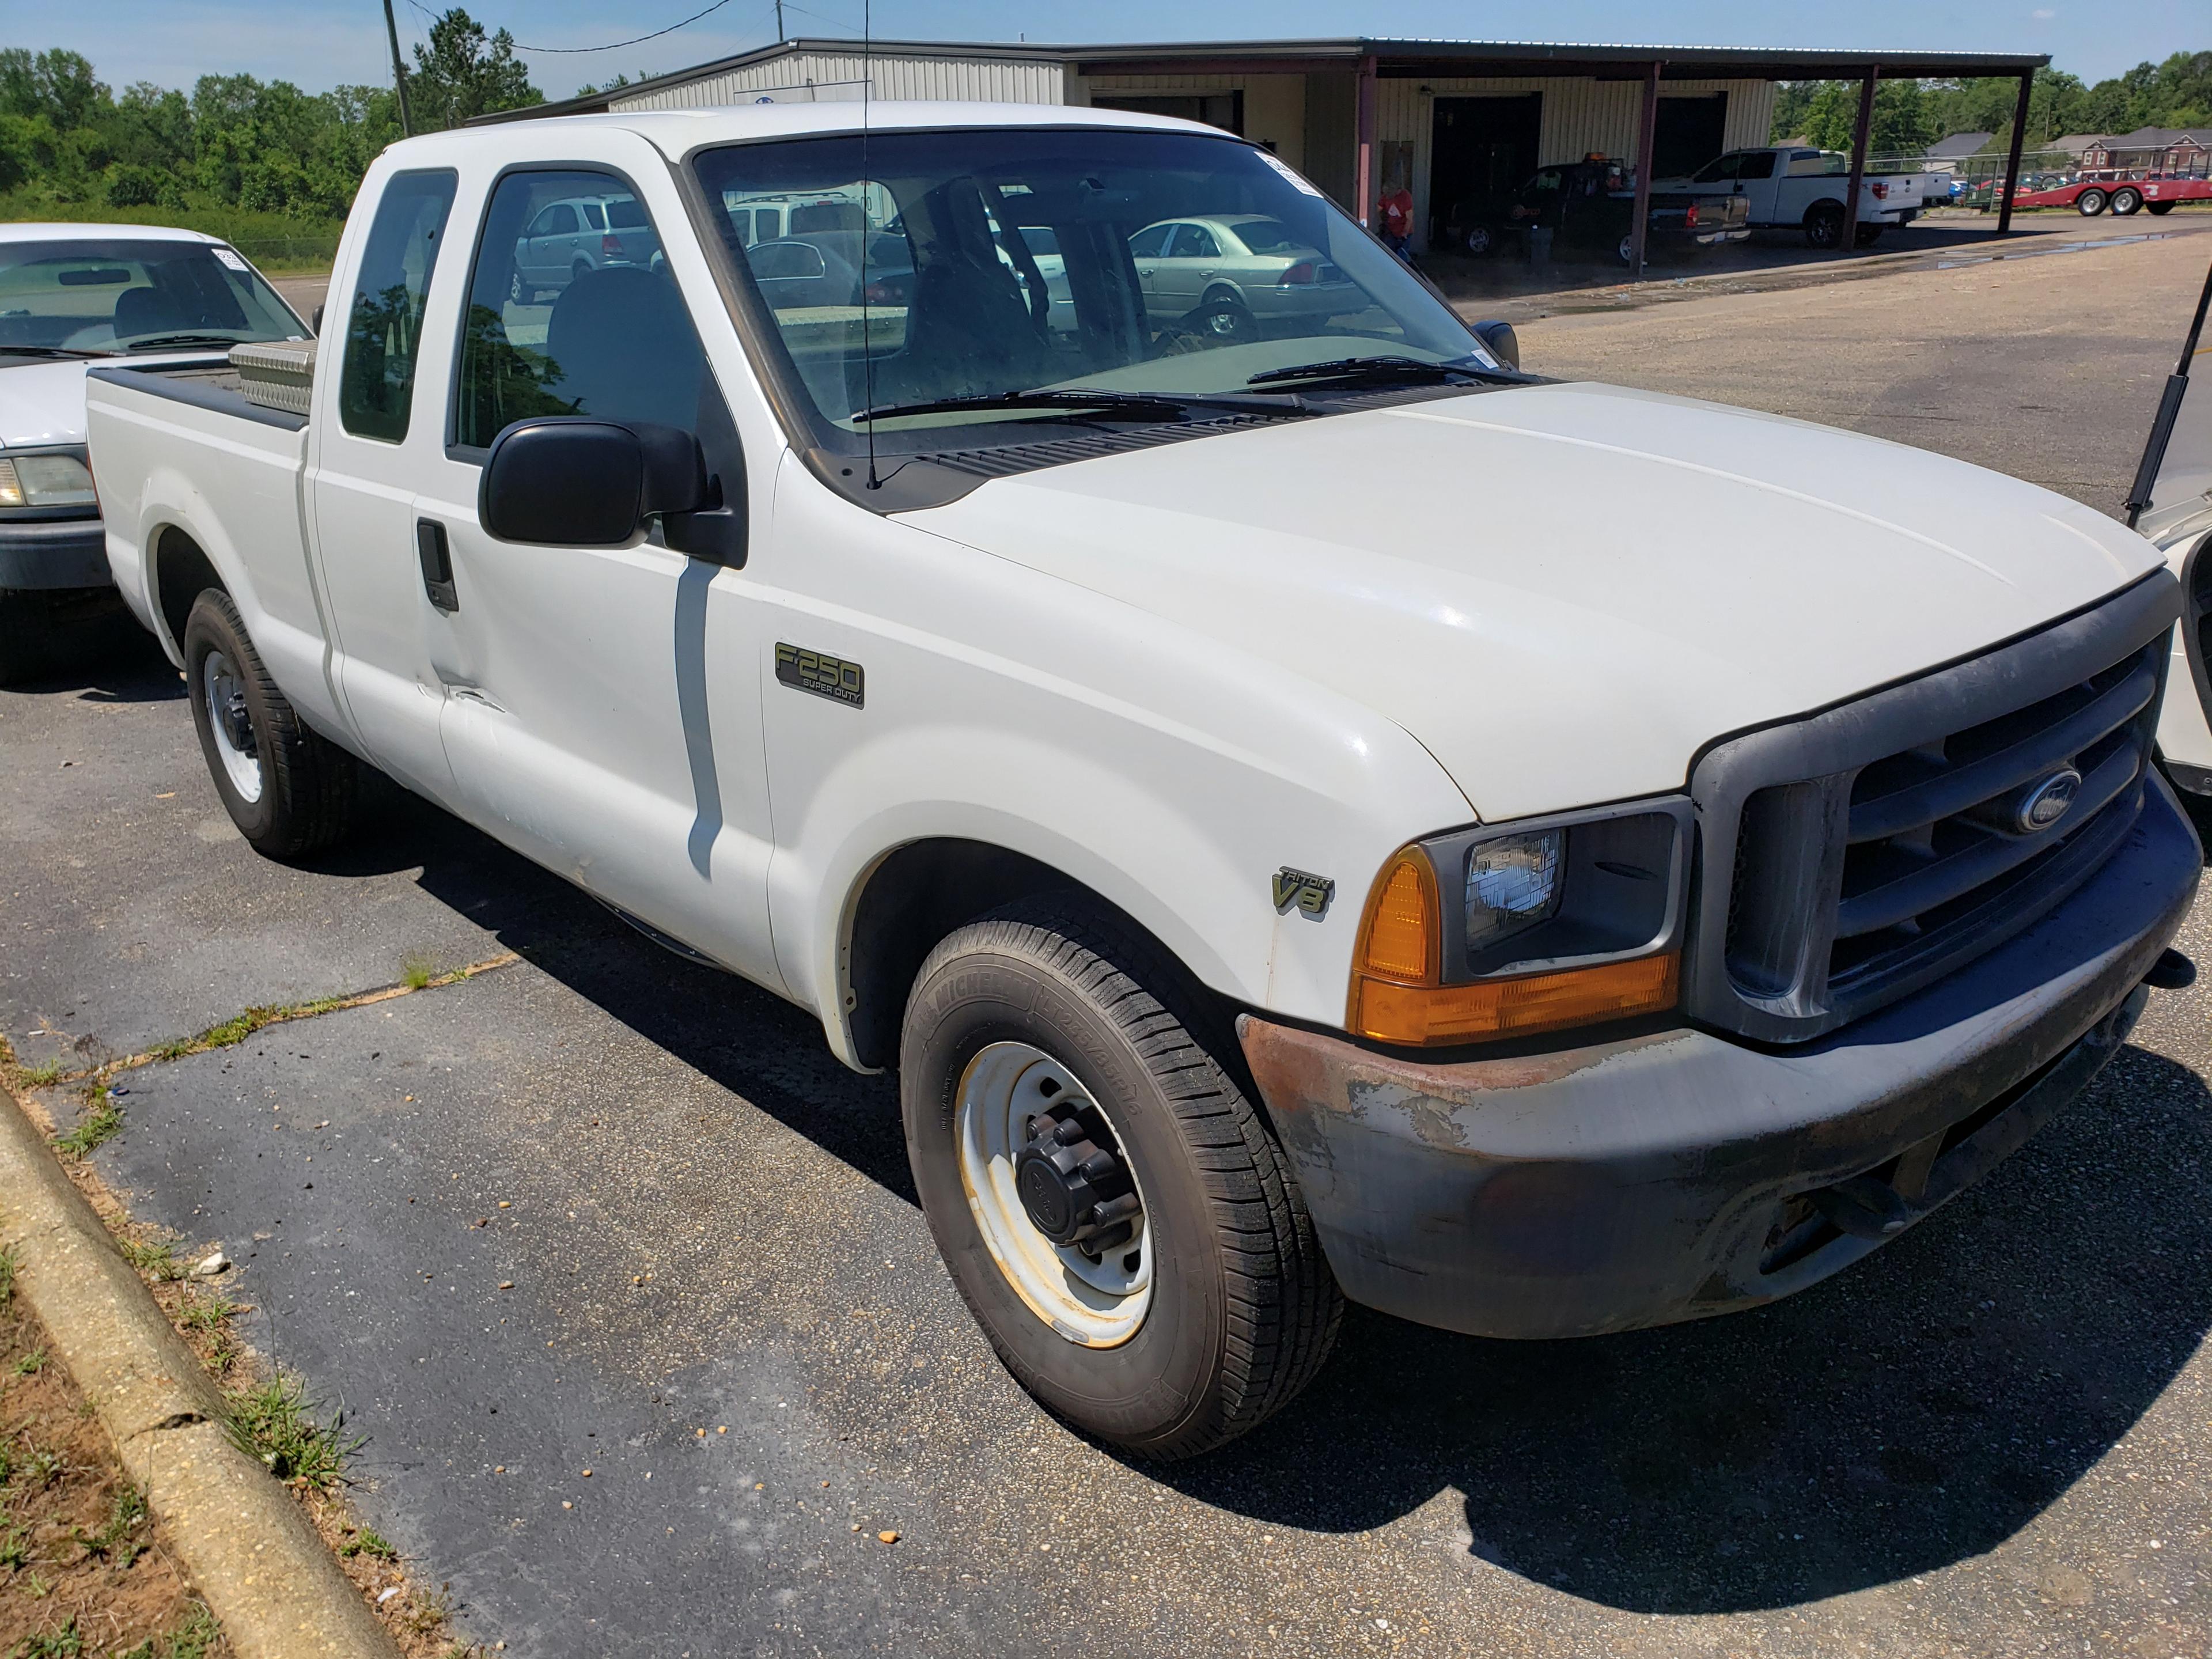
(1224, 110)
(1690, 132)
(1480, 147)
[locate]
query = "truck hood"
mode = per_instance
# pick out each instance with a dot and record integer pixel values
(42, 402)
(1564, 591)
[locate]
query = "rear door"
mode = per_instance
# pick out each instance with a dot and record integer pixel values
(370, 442)
(586, 718)
(1194, 257)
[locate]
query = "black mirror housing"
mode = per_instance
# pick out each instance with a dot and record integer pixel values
(571, 480)
(1504, 344)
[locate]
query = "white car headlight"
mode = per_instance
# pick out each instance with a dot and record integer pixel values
(45, 480)
(1512, 884)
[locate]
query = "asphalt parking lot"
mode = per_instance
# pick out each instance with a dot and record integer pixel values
(1990, 1438)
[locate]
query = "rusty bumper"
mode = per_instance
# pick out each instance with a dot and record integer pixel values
(1678, 1175)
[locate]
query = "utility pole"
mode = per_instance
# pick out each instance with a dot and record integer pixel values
(779, 19)
(399, 74)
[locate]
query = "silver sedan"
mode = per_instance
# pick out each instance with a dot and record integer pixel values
(1231, 275)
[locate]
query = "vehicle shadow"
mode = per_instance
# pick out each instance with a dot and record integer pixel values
(1919, 1409)
(111, 660)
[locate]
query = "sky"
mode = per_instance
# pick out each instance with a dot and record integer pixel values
(317, 44)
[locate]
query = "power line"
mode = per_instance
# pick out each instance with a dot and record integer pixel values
(634, 41)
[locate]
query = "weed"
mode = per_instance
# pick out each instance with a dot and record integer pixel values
(198, 1633)
(156, 1260)
(36, 1588)
(102, 1122)
(369, 1543)
(15, 1547)
(204, 1311)
(29, 1366)
(115, 1540)
(64, 1643)
(11, 1259)
(239, 1027)
(426, 1613)
(7, 1464)
(417, 971)
(41, 1469)
(275, 1421)
(44, 1075)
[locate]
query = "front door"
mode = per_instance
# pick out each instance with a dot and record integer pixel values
(370, 446)
(602, 711)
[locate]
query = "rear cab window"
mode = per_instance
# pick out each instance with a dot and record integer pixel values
(384, 323)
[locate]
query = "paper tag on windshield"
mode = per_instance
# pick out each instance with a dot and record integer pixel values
(1287, 171)
(228, 257)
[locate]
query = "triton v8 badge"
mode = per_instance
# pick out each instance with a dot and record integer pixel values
(1309, 892)
(823, 675)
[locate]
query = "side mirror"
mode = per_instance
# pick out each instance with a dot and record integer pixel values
(1503, 344)
(315, 323)
(571, 480)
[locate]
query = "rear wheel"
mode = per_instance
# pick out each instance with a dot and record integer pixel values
(289, 790)
(1626, 251)
(1227, 319)
(580, 269)
(1478, 240)
(516, 292)
(2090, 202)
(2126, 200)
(1823, 225)
(1112, 1208)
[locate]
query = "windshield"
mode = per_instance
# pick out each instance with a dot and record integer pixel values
(105, 296)
(1012, 260)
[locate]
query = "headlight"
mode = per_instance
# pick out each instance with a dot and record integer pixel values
(48, 479)
(1558, 923)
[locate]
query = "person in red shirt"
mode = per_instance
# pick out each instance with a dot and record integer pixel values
(1398, 222)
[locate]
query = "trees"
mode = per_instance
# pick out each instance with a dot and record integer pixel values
(1908, 115)
(234, 141)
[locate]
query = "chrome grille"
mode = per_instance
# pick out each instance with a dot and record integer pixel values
(1856, 855)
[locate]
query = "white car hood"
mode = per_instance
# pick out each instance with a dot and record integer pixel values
(1564, 591)
(43, 402)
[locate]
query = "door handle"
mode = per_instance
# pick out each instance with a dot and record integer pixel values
(437, 560)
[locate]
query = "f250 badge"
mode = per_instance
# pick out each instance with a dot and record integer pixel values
(823, 675)
(1309, 892)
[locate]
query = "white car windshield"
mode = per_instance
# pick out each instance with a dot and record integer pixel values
(1005, 262)
(104, 297)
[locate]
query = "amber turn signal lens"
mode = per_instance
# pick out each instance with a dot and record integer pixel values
(1432, 1015)
(1399, 941)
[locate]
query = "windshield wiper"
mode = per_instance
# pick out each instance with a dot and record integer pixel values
(1115, 405)
(160, 342)
(49, 351)
(1384, 368)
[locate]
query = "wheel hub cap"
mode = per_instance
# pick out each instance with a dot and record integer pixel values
(1074, 1190)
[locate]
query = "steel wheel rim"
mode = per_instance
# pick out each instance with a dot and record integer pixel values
(1094, 1303)
(232, 722)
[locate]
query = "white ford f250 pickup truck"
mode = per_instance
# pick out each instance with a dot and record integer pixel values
(1793, 188)
(1301, 816)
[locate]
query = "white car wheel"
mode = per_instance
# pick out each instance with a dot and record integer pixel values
(232, 724)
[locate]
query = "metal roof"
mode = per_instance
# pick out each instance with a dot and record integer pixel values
(1394, 57)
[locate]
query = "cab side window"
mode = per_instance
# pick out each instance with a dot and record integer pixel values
(384, 326)
(616, 339)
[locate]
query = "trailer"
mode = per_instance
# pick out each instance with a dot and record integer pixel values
(2124, 193)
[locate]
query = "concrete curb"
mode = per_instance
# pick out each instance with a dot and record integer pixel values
(265, 1574)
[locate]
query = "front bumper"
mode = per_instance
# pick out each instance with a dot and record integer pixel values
(51, 553)
(1681, 1174)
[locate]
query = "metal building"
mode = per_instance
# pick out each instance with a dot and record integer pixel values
(1357, 116)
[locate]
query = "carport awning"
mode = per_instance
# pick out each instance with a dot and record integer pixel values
(1399, 58)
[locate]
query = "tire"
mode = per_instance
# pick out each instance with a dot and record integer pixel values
(2090, 202)
(1823, 225)
(290, 791)
(1867, 235)
(1626, 251)
(1226, 320)
(2160, 208)
(2126, 200)
(1478, 240)
(580, 269)
(516, 292)
(1237, 1310)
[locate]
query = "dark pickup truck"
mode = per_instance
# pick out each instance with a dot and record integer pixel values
(1589, 208)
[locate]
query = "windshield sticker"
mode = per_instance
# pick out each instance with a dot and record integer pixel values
(1287, 171)
(228, 257)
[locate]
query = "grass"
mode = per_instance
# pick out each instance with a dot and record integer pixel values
(156, 1259)
(369, 1543)
(275, 1422)
(240, 1026)
(29, 1366)
(66, 1643)
(15, 1547)
(44, 1075)
(11, 1259)
(102, 1122)
(117, 1541)
(417, 971)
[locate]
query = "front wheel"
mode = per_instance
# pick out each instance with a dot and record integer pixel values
(2126, 200)
(1478, 240)
(2090, 202)
(1112, 1208)
(289, 790)
(1227, 320)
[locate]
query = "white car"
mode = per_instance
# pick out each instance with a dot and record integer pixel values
(72, 294)
(1236, 274)
(1307, 818)
(1792, 187)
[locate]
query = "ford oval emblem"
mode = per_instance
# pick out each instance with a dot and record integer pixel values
(2048, 801)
